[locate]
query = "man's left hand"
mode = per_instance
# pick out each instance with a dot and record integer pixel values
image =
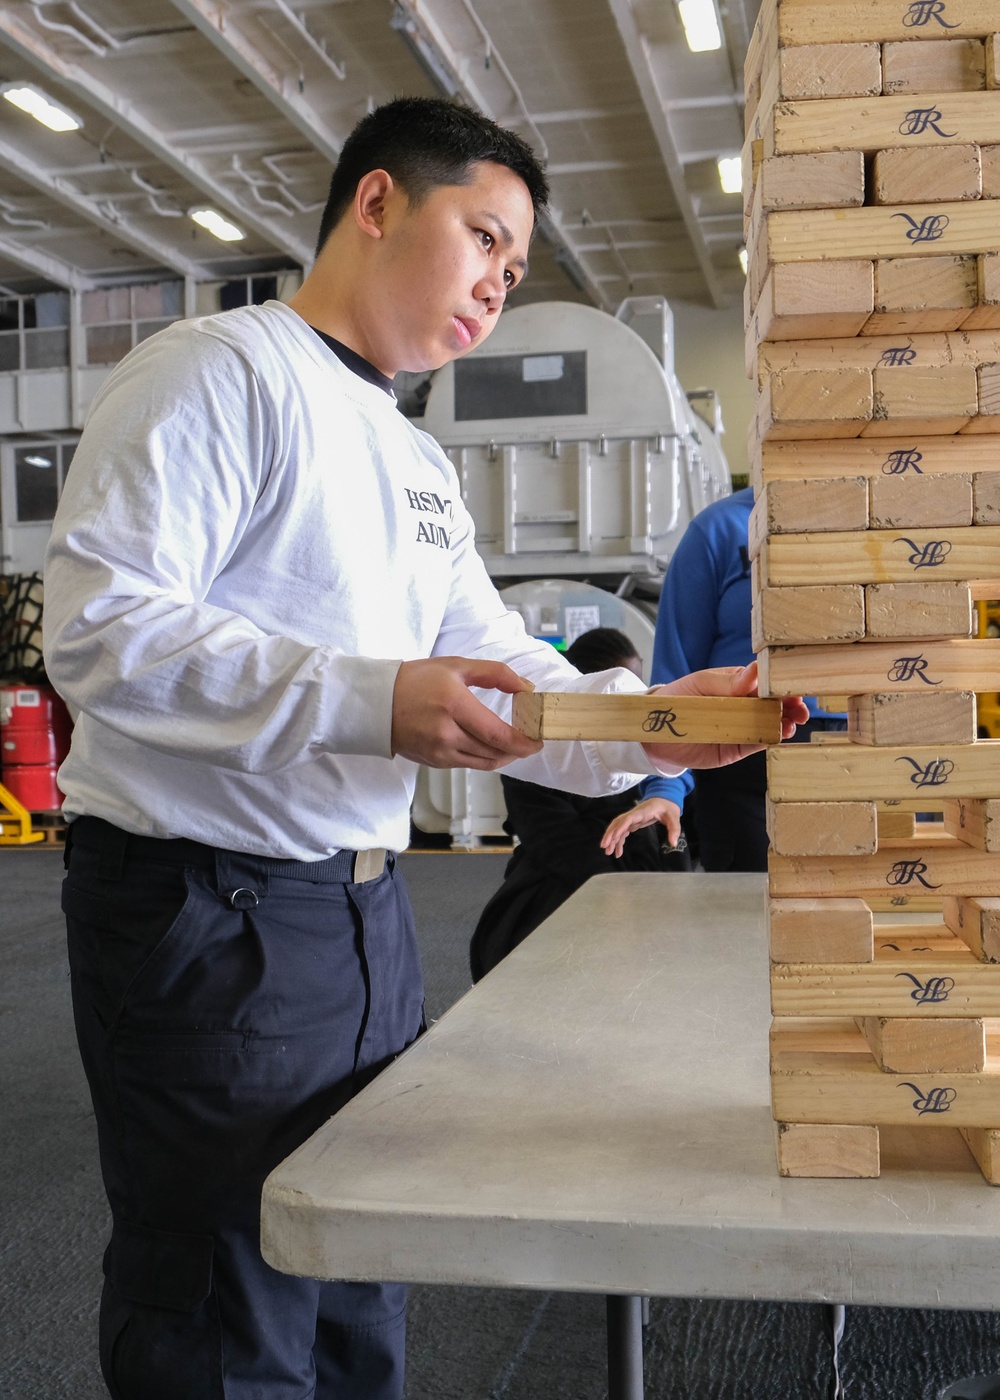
(721, 681)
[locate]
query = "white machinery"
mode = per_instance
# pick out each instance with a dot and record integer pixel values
(578, 454)
(577, 450)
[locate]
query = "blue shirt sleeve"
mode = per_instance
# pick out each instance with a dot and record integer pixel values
(704, 614)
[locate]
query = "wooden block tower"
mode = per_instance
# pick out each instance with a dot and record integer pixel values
(872, 180)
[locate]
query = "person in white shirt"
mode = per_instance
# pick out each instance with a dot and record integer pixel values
(262, 597)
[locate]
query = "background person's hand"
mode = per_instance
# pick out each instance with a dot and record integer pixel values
(437, 721)
(652, 809)
(722, 681)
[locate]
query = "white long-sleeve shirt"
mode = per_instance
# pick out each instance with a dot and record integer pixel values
(250, 540)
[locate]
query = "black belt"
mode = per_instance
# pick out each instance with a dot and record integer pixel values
(343, 867)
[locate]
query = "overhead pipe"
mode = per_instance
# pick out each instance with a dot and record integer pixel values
(108, 42)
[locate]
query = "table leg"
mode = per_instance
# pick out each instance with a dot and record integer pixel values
(624, 1347)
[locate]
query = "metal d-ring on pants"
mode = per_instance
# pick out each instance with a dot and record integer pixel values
(225, 1006)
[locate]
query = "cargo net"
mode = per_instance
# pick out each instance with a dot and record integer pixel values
(21, 628)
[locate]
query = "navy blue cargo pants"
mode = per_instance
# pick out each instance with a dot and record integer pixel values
(224, 1011)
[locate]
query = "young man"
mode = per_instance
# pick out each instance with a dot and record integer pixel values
(263, 597)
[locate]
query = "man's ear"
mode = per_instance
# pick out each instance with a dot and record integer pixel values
(374, 191)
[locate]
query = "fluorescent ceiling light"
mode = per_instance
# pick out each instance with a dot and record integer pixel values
(33, 101)
(217, 225)
(744, 259)
(701, 24)
(731, 174)
(37, 461)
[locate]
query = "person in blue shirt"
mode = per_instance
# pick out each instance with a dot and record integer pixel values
(704, 620)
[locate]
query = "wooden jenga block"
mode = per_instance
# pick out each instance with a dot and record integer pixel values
(810, 71)
(790, 507)
(934, 982)
(990, 160)
(905, 940)
(878, 123)
(831, 180)
(985, 315)
(939, 717)
(984, 1144)
(937, 65)
(653, 718)
(939, 400)
(908, 1045)
(817, 1085)
(976, 347)
(933, 867)
(800, 772)
(829, 1150)
(751, 160)
(986, 498)
(989, 390)
(827, 613)
(988, 418)
(881, 556)
(921, 502)
(754, 229)
(920, 294)
(974, 820)
(880, 231)
(926, 174)
(977, 923)
(804, 300)
(954, 664)
(814, 930)
(822, 828)
(993, 60)
(893, 824)
(760, 62)
(878, 21)
(911, 457)
(918, 610)
(815, 403)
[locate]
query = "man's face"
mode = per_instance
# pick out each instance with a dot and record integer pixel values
(447, 266)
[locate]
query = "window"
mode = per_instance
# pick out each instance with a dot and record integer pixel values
(34, 332)
(117, 318)
(39, 472)
(248, 291)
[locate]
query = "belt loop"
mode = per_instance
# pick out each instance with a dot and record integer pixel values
(242, 881)
(111, 858)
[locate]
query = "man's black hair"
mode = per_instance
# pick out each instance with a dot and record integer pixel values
(599, 650)
(424, 142)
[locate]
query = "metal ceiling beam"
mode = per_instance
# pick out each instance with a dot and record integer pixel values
(659, 120)
(30, 46)
(16, 163)
(52, 269)
(221, 27)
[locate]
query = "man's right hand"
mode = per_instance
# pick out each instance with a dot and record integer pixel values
(436, 721)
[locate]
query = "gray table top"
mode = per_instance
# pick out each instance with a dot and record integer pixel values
(594, 1116)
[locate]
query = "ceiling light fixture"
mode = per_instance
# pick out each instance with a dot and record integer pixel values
(731, 174)
(213, 221)
(32, 100)
(700, 19)
(744, 260)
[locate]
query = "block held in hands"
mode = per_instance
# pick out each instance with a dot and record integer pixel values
(647, 719)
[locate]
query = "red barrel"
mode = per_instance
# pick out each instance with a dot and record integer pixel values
(35, 730)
